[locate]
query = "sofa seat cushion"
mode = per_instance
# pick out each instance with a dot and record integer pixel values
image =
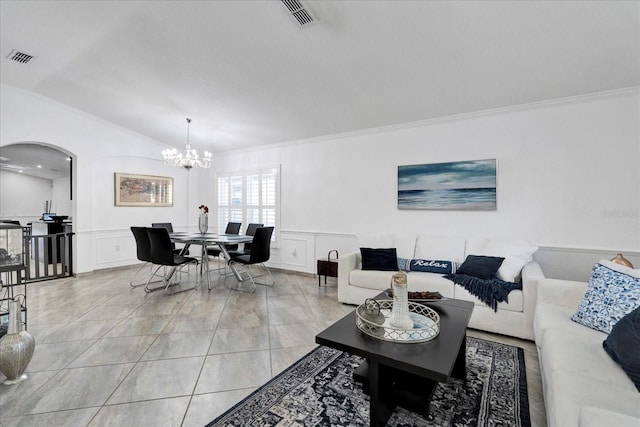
(562, 351)
(555, 317)
(568, 392)
(416, 281)
(516, 299)
(597, 417)
(433, 282)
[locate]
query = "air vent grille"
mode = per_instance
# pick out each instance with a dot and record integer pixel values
(20, 57)
(300, 13)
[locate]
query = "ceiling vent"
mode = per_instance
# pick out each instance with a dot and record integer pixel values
(300, 13)
(20, 57)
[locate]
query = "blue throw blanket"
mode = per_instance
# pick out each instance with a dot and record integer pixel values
(489, 291)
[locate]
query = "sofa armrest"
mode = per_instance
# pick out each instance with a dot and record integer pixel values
(532, 272)
(564, 293)
(347, 263)
(531, 275)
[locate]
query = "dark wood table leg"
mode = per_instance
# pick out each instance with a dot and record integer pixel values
(380, 409)
(460, 366)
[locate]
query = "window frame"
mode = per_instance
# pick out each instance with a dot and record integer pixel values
(244, 206)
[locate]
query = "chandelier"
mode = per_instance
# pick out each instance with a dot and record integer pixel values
(190, 157)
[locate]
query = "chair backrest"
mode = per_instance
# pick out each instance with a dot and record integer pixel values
(251, 231)
(161, 246)
(143, 246)
(166, 225)
(261, 245)
(233, 228)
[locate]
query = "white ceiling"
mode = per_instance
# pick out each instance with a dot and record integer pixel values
(247, 75)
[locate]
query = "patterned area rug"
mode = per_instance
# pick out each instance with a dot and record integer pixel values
(318, 390)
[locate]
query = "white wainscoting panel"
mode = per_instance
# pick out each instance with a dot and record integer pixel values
(115, 249)
(296, 251)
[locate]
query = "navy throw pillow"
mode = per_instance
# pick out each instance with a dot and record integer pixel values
(379, 259)
(433, 266)
(623, 345)
(482, 267)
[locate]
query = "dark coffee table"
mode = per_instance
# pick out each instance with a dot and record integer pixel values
(402, 374)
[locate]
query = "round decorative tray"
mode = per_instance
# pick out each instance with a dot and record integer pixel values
(426, 323)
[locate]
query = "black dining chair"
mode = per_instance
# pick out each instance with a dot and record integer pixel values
(143, 252)
(162, 255)
(260, 253)
(169, 227)
(232, 228)
(246, 248)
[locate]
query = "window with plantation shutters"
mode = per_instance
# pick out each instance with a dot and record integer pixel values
(248, 197)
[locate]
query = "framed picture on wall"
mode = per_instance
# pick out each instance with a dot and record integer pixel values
(465, 185)
(143, 190)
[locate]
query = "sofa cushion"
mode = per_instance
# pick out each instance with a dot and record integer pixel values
(404, 242)
(610, 295)
(623, 345)
(439, 247)
(370, 279)
(591, 416)
(568, 392)
(516, 254)
(381, 280)
(482, 267)
(562, 351)
(432, 266)
(383, 259)
(515, 303)
(555, 317)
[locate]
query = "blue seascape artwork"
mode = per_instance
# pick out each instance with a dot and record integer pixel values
(468, 185)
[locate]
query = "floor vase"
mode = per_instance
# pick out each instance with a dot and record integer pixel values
(16, 347)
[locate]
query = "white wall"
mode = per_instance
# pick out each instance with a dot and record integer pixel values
(13, 203)
(568, 176)
(99, 149)
(60, 196)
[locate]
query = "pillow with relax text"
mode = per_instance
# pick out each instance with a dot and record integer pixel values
(432, 266)
(613, 292)
(383, 259)
(482, 267)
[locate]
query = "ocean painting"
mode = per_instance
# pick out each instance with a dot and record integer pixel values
(467, 185)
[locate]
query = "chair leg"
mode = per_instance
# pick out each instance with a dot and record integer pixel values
(148, 289)
(169, 285)
(252, 277)
(135, 285)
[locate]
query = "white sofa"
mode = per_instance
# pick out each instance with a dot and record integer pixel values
(582, 385)
(514, 318)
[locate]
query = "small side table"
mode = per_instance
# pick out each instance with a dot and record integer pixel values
(328, 267)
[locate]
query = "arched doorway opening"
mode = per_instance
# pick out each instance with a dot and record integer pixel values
(37, 189)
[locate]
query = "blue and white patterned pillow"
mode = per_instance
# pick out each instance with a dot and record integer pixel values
(403, 264)
(611, 295)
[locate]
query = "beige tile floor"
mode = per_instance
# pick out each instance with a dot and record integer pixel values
(107, 354)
